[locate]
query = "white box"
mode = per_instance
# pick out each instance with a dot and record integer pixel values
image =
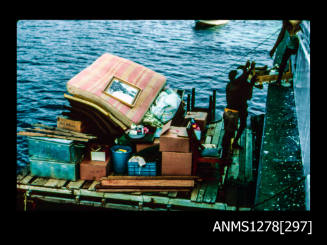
(98, 156)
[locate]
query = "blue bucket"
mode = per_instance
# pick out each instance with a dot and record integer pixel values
(120, 158)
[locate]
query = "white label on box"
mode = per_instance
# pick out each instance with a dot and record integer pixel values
(98, 156)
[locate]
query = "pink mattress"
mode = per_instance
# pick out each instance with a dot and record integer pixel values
(91, 82)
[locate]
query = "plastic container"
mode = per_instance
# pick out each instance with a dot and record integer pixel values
(149, 169)
(120, 156)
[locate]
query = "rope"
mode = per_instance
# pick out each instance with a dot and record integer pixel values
(254, 49)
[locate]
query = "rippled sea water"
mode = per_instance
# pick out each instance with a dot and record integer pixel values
(50, 52)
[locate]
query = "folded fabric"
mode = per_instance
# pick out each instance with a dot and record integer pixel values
(141, 162)
(151, 120)
(166, 105)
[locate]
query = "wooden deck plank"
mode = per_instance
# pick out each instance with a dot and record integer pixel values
(219, 146)
(195, 192)
(126, 207)
(61, 183)
(40, 181)
(43, 189)
(201, 192)
(242, 153)
(75, 184)
(117, 196)
(188, 203)
(147, 183)
(208, 140)
(51, 183)
(142, 190)
(211, 129)
(92, 186)
(87, 184)
(173, 177)
(26, 180)
(20, 177)
(233, 170)
(210, 195)
(55, 183)
(248, 157)
(215, 138)
(224, 175)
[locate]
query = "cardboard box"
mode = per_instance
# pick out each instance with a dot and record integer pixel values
(99, 152)
(175, 140)
(142, 146)
(199, 117)
(176, 163)
(93, 170)
(69, 124)
(98, 156)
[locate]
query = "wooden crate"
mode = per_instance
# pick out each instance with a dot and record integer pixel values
(73, 125)
(176, 163)
(175, 140)
(94, 170)
(268, 78)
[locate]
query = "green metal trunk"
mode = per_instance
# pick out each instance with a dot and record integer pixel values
(60, 150)
(54, 169)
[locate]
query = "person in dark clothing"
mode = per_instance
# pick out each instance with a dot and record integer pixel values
(291, 42)
(238, 91)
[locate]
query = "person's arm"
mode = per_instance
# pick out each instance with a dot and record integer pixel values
(279, 39)
(228, 94)
(247, 72)
(253, 80)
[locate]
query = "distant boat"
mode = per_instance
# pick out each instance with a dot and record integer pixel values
(210, 23)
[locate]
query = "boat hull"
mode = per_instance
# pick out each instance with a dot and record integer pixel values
(210, 23)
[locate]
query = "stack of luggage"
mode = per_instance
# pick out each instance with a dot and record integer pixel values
(121, 120)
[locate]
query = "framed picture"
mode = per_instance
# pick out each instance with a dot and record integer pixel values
(123, 91)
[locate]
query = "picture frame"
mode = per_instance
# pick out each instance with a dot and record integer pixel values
(123, 91)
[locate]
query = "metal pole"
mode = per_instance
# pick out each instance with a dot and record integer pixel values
(188, 103)
(210, 108)
(193, 99)
(214, 105)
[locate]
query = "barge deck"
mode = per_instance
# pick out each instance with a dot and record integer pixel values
(229, 188)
